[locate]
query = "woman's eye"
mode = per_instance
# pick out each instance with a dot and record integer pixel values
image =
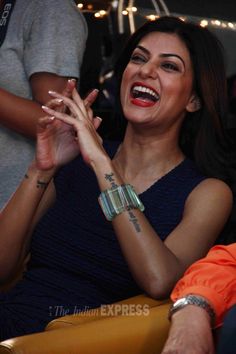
(136, 58)
(170, 66)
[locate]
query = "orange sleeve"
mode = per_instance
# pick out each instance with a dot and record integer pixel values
(213, 277)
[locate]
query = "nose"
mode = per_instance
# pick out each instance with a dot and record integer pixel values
(149, 70)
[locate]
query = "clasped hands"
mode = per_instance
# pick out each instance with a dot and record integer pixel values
(68, 129)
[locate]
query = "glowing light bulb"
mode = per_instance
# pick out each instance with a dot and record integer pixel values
(204, 23)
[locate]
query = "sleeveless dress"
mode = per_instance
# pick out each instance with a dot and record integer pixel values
(76, 261)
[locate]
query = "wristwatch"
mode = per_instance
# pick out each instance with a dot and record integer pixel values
(193, 300)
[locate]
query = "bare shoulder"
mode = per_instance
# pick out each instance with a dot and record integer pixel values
(212, 193)
(213, 186)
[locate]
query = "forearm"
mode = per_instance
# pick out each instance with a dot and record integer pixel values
(190, 332)
(153, 265)
(17, 218)
(19, 114)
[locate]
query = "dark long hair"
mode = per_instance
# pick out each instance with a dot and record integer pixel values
(202, 136)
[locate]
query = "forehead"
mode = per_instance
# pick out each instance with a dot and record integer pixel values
(160, 42)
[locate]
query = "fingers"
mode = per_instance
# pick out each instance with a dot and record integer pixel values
(77, 105)
(76, 109)
(70, 85)
(43, 122)
(61, 116)
(90, 98)
(55, 103)
(64, 117)
(97, 122)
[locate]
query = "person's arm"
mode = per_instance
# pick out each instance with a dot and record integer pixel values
(56, 146)
(33, 197)
(21, 114)
(155, 265)
(190, 332)
(213, 279)
(55, 34)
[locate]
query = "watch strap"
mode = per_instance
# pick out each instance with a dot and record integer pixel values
(195, 300)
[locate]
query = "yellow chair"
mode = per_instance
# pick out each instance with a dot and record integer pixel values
(137, 325)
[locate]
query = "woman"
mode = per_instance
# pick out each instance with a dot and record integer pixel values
(78, 258)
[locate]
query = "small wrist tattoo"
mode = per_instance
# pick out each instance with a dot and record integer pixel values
(134, 221)
(39, 184)
(110, 177)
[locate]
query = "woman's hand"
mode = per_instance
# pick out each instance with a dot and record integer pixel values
(56, 139)
(81, 135)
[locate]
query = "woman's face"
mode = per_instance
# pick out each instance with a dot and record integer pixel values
(157, 83)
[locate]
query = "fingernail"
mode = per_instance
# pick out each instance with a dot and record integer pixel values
(51, 92)
(52, 118)
(59, 100)
(99, 118)
(92, 90)
(72, 80)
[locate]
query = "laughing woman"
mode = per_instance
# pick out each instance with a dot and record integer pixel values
(122, 218)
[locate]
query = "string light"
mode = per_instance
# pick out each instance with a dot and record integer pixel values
(100, 14)
(152, 17)
(131, 9)
(204, 23)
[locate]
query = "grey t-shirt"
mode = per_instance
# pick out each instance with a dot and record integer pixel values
(42, 36)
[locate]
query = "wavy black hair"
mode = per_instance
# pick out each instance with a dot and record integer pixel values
(203, 134)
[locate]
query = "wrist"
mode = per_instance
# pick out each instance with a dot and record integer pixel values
(194, 301)
(107, 176)
(189, 312)
(42, 177)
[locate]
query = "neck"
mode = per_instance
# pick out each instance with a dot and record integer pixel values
(156, 155)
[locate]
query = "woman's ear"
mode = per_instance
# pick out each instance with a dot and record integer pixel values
(194, 104)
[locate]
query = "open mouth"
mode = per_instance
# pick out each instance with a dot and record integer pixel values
(144, 93)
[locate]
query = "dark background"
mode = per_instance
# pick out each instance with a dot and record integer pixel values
(225, 9)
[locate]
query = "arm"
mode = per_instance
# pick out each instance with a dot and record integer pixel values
(214, 279)
(45, 60)
(55, 147)
(190, 332)
(163, 263)
(155, 265)
(21, 114)
(19, 217)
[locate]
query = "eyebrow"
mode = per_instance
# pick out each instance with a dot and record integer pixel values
(163, 55)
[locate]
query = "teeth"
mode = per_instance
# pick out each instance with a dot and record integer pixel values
(146, 89)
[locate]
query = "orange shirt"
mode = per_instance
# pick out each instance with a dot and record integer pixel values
(214, 278)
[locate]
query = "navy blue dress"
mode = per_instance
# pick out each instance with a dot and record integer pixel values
(76, 261)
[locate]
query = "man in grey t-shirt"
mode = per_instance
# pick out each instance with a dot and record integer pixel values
(43, 47)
